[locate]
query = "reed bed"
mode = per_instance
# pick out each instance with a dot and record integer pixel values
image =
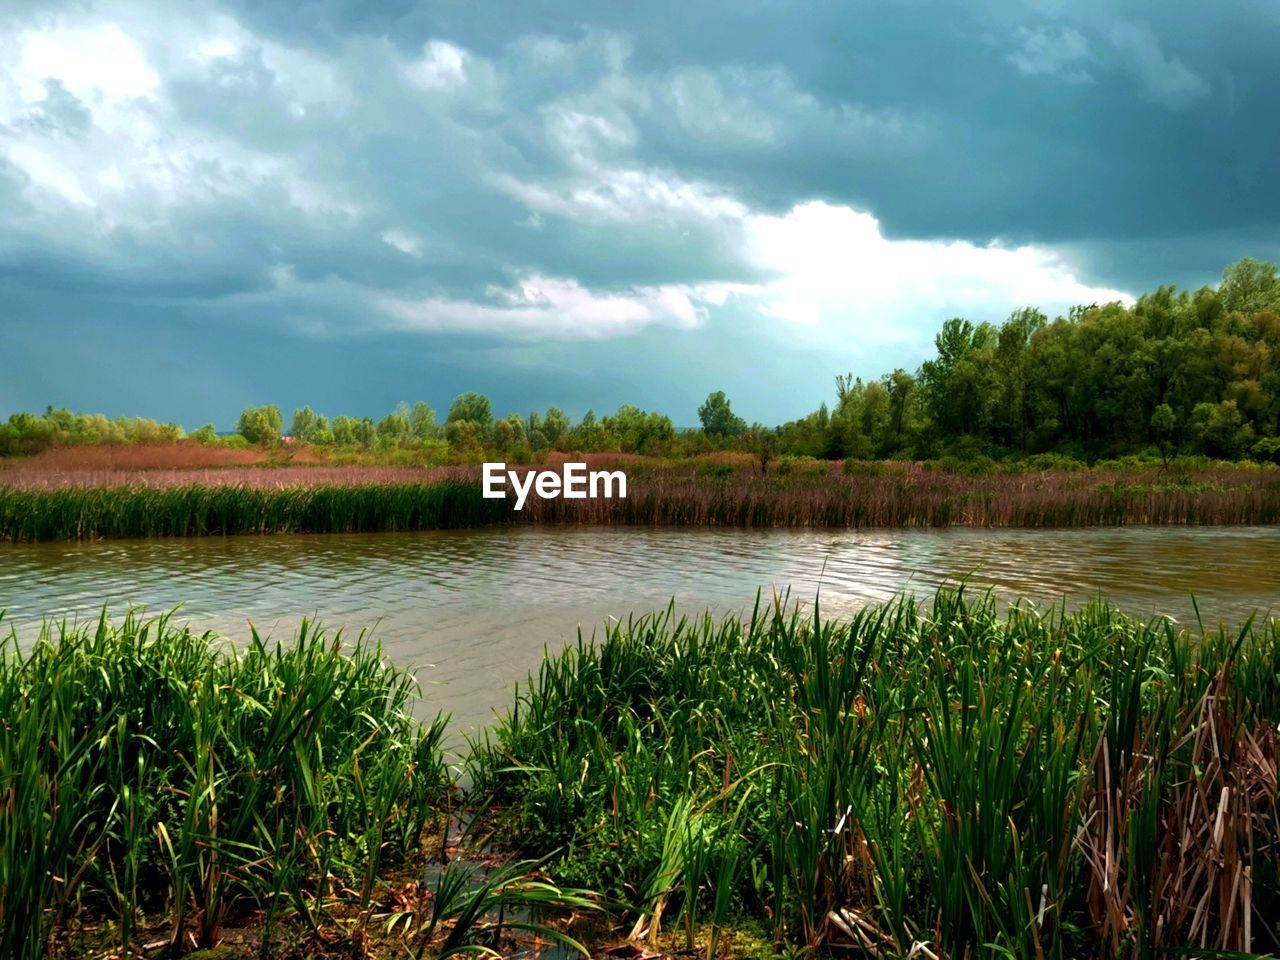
(40, 477)
(931, 499)
(76, 513)
(146, 769)
(348, 500)
(937, 780)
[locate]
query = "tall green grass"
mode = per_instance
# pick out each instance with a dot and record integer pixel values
(935, 780)
(146, 768)
(74, 513)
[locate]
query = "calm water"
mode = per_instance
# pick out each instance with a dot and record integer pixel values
(474, 609)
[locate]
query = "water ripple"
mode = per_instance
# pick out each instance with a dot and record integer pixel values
(476, 608)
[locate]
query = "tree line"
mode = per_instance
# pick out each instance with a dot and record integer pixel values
(1176, 372)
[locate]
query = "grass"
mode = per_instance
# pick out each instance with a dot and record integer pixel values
(44, 506)
(938, 780)
(156, 779)
(76, 513)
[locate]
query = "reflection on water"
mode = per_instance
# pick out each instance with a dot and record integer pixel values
(474, 609)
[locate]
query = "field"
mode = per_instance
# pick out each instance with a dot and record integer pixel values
(942, 780)
(50, 497)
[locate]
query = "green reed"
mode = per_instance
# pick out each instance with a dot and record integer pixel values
(144, 767)
(245, 502)
(75, 513)
(940, 780)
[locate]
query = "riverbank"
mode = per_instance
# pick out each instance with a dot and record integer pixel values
(90, 504)
(920, 780)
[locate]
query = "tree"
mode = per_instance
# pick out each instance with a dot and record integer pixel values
(394, 427)
(901, 387)
(764, 444)
(1219, 429)
(261, 425)
(471, 407)
(718, 419)
(554, 425)
(306, 424)
(422, 421)
(1163, 425)
(1249, 285)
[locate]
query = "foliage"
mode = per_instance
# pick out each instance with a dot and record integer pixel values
(144, 767)
(923, 780)
(718, 418)
(261, 425)
(72, 513)
(28, 433)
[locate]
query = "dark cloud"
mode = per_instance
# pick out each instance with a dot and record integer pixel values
(277, 172)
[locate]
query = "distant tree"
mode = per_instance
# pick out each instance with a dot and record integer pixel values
(365, 432)
(554, 425)
(1219, 429)
(718, 418)
(471, 407)
(1249, 285)
(901, 387)
(305, 425)
(394, 428)
(343, 430)
(206, 434)
(261, 425)
(763, 443)
(422, 420)
(1163, 425)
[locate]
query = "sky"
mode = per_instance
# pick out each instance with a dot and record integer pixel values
(346, 204)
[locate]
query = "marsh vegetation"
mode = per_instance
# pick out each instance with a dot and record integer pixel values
(945, 779)
(713, 492)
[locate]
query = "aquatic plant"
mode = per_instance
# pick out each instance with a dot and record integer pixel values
(74, 513)
(940, 779)
(144, 767)
(323, 500)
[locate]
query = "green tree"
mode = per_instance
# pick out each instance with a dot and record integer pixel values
(261, 425)
(394, 428)
(554, 425)
(1164, 423)
(1219, 430)
(471, 407)
(718, 418)
(422, 421)
(306, 423)
(1249, 285)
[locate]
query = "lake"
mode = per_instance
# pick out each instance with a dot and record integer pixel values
(474, 609)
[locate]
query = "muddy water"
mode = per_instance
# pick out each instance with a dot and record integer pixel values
(474, 609)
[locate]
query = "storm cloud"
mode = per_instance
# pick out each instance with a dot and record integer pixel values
(314, 202)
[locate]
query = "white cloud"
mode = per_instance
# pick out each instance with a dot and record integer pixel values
(134, 159)
(834, 275)
(561, 308)
(403, 240)
(442, 66)
(101, 65)
(831, 269)
(834, 268)
(1060, 53)
(626, 195)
